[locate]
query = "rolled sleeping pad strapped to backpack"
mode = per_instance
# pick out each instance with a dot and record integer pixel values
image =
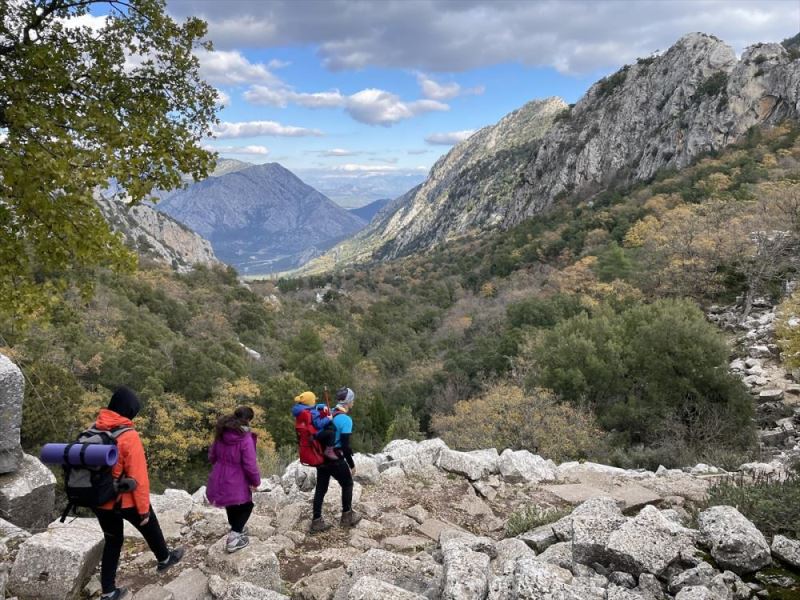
(77, 454)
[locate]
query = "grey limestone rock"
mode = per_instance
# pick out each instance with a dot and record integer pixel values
(471, 466)
(735, 542)
(27, 496)
(522, 466)
(255, 564)
(54, 564)
(466, 572)
(415, 575)
(786, 550)
(12, 389)
(593, 523)
(370, 588)
(648, 543)
(191, 584)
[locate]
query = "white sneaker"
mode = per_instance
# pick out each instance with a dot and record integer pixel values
(236, 541)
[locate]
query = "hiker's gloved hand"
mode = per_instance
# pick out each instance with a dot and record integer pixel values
(145, 519)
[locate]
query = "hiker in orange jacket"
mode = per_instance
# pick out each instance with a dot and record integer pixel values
(132, 506)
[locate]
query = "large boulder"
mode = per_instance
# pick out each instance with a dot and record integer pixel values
(369, 588)
(461, 463)
(366, 468)
(12, 388)
(734, 541)
(191, 584)
(593, 522)
(421, 457)
(533, 579)
(54, 564)
(222, 589)
(786, 550)
(299, 476)
(412, 574)
(648, 543)
(466, 572)
(27, 496)
(523, 467)
(319, 585)
(256, 564)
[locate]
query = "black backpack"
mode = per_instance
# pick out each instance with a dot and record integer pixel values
(87, 485)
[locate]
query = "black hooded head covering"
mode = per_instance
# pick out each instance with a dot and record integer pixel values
(125, 402)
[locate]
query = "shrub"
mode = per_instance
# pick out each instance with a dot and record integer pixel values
(647, 371)
(531, 517)
(772, 505)
(404, 426)
(712, 86)
(506, 417)
(607, 85)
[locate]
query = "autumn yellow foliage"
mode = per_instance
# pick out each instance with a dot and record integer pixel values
(506, 417)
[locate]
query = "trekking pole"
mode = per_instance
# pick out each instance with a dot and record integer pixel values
(327, 397)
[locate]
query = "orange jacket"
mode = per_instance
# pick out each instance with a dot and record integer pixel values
(132, 462)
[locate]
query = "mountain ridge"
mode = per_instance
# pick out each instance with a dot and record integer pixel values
(261, 218)
(658, 113)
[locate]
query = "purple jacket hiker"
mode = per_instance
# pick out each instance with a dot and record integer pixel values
(235, 469)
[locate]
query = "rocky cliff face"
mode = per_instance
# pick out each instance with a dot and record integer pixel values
(155, 234)
(659, 113)
(262, 218)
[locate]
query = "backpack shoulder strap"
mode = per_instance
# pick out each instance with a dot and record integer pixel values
(118, 431)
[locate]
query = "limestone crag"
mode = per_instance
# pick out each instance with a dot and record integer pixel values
(434, 528)
(155, 234)
(658, 113)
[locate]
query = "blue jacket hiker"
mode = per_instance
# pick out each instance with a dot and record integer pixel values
(340, 468)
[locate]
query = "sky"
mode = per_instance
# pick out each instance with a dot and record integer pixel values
(354, 89)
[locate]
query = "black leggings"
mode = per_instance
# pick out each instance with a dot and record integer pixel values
(113, 530)
(341, 473)
(238, 514)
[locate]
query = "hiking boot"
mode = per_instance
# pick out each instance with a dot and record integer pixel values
(174, 557)
(319, 525)
(117, 594)
(350, 518)
(236, 541)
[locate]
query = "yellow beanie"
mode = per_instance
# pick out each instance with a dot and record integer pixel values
(307, 398)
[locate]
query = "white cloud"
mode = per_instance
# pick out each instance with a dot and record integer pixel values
(282, 96)
(338, 152)
(379, 107)
(419, 151)
(223, 98)
(361, 168)
(450, 138)
(256, 128)
(229, 67)
(370, 106)
(277, 63)
(243, 150)
(435, 36)
(445, 91)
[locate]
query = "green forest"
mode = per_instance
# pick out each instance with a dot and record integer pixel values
(579, 334)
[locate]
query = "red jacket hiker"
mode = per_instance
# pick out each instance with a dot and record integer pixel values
(132, 462)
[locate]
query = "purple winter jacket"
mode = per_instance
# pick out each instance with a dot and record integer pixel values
(235, 468)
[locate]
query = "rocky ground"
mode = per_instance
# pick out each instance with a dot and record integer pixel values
(757, 361)
(435, 527)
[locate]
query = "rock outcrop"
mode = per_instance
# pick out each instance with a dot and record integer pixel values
(27, 487)
(156, 235)
(658, 113)
(11, 394)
